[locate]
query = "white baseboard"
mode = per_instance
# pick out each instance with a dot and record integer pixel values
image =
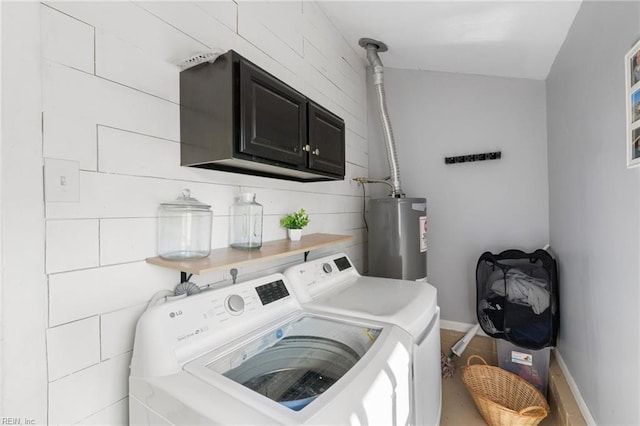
(582, 405)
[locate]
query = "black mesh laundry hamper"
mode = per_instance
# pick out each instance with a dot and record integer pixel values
(517, 297)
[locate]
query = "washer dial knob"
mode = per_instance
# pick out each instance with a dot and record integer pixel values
(327, 268)
(235, 304)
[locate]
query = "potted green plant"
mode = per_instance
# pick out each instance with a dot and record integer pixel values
(294, 222)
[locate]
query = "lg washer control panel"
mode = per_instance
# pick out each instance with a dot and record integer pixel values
(272, 291)
(237, 307)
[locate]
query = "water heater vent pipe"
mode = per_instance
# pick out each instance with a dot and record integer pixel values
(373, 47)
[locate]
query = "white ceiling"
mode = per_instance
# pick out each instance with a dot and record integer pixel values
(501, 38)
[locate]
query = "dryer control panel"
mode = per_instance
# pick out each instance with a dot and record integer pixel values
(317, 276)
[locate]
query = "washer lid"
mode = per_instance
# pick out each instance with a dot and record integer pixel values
(299, 360)
(378, 386)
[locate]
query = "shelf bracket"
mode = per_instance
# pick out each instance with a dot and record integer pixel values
(306, 253)
(184, 277)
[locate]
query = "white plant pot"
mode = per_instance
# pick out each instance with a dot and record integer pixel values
(294, 234)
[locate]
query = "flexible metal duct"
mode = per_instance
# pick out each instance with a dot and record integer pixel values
(373, 47)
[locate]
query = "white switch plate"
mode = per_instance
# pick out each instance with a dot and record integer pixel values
(61, 180)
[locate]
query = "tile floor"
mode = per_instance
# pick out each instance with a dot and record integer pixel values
(458, 408)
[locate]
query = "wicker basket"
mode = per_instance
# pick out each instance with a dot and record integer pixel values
(503, 398)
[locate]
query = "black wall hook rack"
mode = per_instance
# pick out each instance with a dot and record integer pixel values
(473, 157)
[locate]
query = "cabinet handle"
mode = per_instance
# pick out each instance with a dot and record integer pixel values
(306, 148)
(317, 151)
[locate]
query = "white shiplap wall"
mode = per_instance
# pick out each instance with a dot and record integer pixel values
(110, 103)
(23, 378)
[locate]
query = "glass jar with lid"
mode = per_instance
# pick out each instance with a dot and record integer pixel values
(184, 228)
(245, 222)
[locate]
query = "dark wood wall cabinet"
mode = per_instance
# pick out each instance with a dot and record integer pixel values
(236, 117)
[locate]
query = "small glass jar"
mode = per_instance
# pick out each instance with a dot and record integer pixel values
(246, 222)
(184, 228)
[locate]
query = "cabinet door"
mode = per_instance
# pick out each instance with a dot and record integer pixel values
(326, 141)
(273, 118)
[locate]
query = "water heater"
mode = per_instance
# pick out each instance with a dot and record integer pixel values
(397, 238)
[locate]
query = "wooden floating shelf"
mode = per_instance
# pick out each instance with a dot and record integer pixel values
(226, 258)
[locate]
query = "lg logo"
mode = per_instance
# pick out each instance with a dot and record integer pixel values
(175, 314)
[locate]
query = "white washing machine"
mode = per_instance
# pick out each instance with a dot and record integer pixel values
(249, 354)
(333, 285)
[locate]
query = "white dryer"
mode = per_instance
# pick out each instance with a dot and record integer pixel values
(248, 354)
(333, 285)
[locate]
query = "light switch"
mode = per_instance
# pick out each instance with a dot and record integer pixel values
(61, 180)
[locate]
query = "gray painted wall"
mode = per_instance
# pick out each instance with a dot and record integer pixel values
(595, 210)
(472, 207)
